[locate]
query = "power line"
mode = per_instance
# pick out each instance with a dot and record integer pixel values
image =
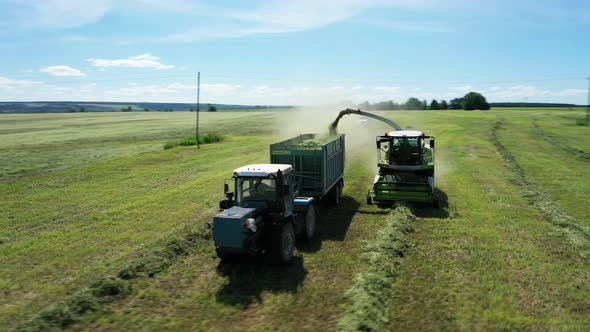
(288, 80)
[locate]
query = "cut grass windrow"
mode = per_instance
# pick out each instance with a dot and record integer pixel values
(575, 152)
(371, 294)
(62, 314)
(205, 139)
(577, 234)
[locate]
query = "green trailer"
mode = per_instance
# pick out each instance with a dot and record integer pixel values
(318, 164)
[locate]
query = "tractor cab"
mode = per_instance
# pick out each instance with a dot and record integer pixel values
(261, 186)
(404, 150)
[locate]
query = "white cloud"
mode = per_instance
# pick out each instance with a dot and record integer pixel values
(182, 86)
(62, 71)
(463, 88)
(173, 92)
(523, 92)
(570, 92)
(217, 89)
(281, 16)
(61, 13)
(388, 89)
(12, 83)
(412, 26)
(518, 91)
(141, 61)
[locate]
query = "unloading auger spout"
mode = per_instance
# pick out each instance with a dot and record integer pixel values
(347, 111)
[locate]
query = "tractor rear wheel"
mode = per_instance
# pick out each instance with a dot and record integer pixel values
(284, 243)
(310, 217)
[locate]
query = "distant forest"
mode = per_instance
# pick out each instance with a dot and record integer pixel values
(72, 107)
(534, 105)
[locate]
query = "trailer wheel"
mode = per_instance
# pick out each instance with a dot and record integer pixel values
(310, 217)
(284, 243)
(336, 195)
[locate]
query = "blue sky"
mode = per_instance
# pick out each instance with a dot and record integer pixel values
(293, 52)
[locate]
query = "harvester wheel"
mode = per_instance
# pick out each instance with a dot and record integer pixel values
(435, 203)
(310, 222)
(284, 243)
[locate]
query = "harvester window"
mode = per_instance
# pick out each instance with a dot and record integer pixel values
(256, 189)
(406, 151)
(383, 152)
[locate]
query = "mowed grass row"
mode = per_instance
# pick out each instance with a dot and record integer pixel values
(38, 143)
(63, 230)
(200, 293)
(76, 226)
(481, 263)
(561, 174)
(494, 263)
(562, 126)
(95, 223)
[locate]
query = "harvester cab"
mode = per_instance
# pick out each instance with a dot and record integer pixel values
(405, 150)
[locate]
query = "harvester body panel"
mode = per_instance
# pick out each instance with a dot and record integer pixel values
(406, 168)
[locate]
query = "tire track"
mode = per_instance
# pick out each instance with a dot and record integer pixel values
(570, 227)
(584, 156)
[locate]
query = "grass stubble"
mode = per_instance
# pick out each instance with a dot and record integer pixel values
(568, 226)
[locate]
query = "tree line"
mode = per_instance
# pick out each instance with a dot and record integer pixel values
(471, 101)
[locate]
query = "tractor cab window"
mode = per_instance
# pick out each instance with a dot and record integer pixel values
(406, 150)
(256, 189)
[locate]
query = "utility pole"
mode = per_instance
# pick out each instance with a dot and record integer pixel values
(198, 106)
(588, 105)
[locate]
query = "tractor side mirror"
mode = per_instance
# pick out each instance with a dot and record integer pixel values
(225, 188)
(432, 144)
(379, 145)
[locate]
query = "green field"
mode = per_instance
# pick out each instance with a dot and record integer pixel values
(84, 195)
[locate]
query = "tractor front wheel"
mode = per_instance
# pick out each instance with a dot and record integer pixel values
(224, 256)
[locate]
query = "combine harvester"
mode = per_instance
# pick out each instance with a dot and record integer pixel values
(406, 164)
(276, 202)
